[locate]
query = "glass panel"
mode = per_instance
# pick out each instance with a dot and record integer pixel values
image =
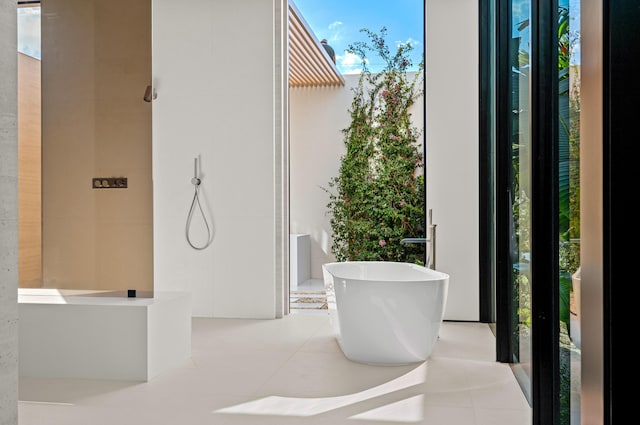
(29, 149)
(569, 172)
(82, 100)
(521, 184)
(29, 31)
(492, 141)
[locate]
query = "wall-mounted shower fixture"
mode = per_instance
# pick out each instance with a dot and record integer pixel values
(196, 181)
(150, 94)
(109, 183)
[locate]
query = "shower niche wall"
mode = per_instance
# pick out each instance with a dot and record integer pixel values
(82, 116)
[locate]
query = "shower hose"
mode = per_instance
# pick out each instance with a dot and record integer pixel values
(196, 203)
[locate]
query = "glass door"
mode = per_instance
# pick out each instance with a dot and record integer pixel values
(537, 119)
(520, 185)
(569, 208)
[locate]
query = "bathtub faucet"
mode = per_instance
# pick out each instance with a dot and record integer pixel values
(410, 241)
(430, 240)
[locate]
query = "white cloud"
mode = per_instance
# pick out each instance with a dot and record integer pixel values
(334, 25)
(336, 32)
(349, 63)
(414, 43)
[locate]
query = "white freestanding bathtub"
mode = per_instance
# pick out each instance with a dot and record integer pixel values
(385, 313)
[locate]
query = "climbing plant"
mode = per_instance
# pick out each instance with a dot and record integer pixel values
(378, 197)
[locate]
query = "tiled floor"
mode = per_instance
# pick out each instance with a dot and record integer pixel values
(291, 371)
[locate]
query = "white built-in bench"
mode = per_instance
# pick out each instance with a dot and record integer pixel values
(64, 334)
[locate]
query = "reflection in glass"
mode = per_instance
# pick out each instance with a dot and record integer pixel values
(82, 74)
(569, 156)
(521, 184)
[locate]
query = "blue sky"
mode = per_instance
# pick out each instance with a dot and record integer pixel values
(340, 22)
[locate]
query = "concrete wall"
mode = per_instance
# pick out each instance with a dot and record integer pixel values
(317, 115)
(216, 71)
(8, 216)
(452, 147)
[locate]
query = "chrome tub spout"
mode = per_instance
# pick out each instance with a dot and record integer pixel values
(429, 241)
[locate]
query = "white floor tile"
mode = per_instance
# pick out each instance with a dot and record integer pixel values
(503, 416)
(292, 371)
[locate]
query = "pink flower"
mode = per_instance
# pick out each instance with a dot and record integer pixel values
(382, 242)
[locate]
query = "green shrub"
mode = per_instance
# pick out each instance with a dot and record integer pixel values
(378, 198)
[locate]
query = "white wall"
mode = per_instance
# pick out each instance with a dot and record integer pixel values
(217, 99)
(317, 116)
(8, 216)
(452, 147)
(214, 72)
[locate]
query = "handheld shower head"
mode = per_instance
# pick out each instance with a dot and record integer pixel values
(195, 180)
(195, 205)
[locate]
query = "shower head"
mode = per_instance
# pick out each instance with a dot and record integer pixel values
(149, 94)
